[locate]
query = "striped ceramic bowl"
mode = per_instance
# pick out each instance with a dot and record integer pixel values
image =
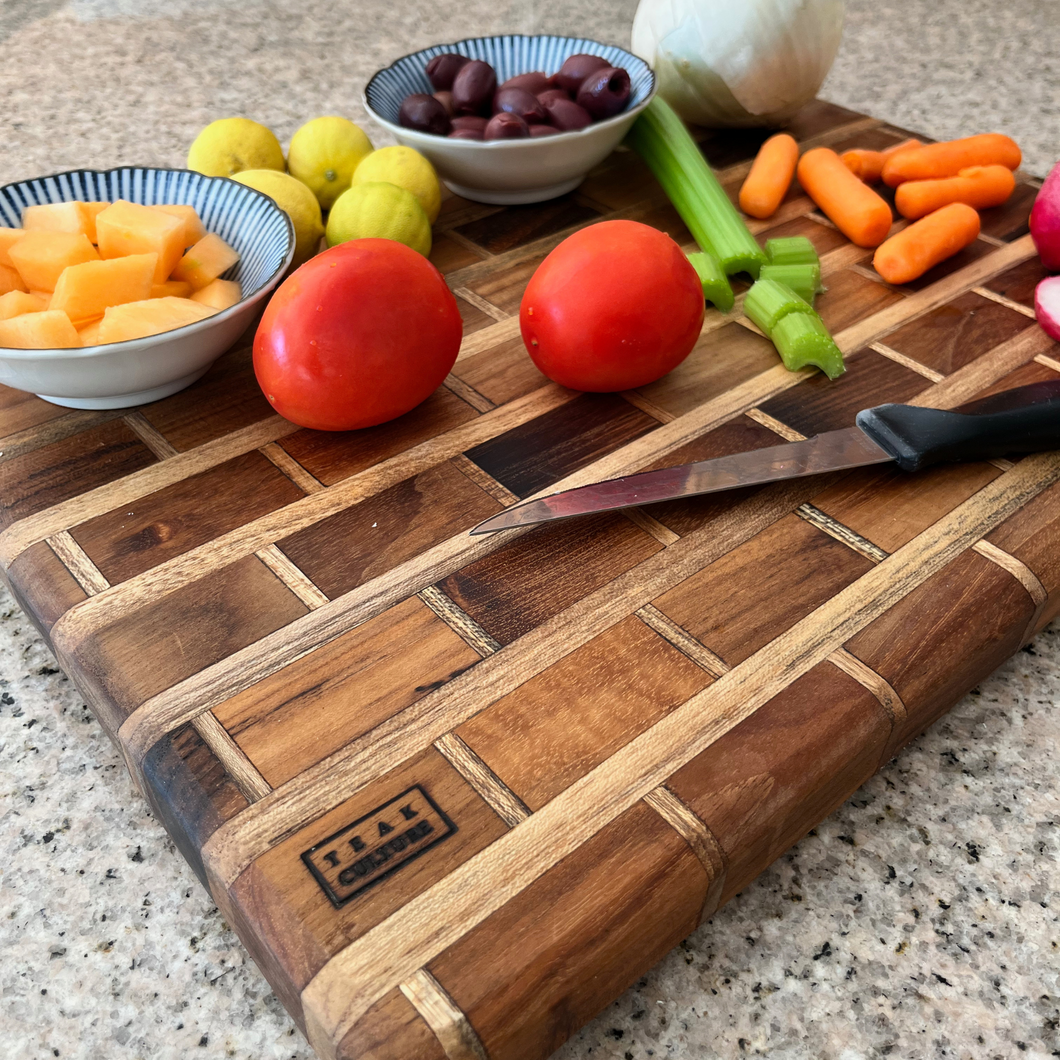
(511, 171)
(121, 374)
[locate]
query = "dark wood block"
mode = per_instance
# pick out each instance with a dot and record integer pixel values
(504, 287)
(851, 297)
(20, 411)
(43, 587)
(473, 317)
(1009, 220)
(519, 225)
(1032, 372)
(502, 373)
(1019, 283)
(447, 254)
(620, 180)
(391, 1027)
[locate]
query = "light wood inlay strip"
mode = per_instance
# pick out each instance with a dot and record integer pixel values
(146, 432)
(303, 479)
(833, 528)
(992, 240)
(459, 237)
(236, 764)
(1019, 307)
(500, 798)
(907, 362)
(1048, 362)
(366, 969)
(458, 620)
(479, 402)
(1002, 464)
(481, 303)
(1016, 567)
(440, 1012)
(641, 402)
(484, 480)
(28, 531)
(650, 525)
(682, 640)
(293, 577)
(77, 561)
(487, 338)
(789, 434)
(885, 695)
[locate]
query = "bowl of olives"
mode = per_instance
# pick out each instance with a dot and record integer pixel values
(513, 118)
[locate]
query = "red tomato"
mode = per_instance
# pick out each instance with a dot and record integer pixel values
(357, 336)
(613, 307)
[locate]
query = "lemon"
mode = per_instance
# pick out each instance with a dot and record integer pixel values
(323, 155)
(231, 145)
(407, 169)
(299, 203)
(379, 210)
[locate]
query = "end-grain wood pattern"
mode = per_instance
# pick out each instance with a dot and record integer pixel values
(456, 793)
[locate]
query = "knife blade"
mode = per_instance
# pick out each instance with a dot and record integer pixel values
(1023, 420)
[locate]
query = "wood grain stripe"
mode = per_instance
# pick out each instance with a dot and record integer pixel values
(236, 764)
(683, 641)
(1048, 362)
(789, 434)
(908, 362)
(441, 1013)
(481, 303)
(457, 619)
(295, 579)
(484, 479)
(77, 561)
(500, 798)
(455, 385)
(302, 478)
(359, 975)
(137, 423)
(885, 695)
(650, 525)
(834, 528)
(1017, 568)
(1019, 307)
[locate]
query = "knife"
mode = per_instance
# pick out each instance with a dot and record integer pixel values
(1023, 420)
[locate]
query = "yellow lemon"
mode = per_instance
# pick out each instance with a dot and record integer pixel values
(299, 203)
(231, 145)
(379, 210)
(323, 155)
(407, 169)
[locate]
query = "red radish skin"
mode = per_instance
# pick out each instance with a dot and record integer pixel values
(1047, 305)
(1045, 223)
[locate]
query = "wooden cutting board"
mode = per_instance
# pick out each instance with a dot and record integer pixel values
(456, 794)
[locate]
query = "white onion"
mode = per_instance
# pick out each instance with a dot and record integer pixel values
(738, 62)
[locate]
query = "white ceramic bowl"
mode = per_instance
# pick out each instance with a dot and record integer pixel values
(510, 171)
(121, 374)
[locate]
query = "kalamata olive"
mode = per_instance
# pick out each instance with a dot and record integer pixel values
(467, 134)
(543, 130)
(519, 101)
(550, 94)
(470, 121)
(473, 88)
(443, 68)
(576, 69)
(566, 115)
(505, 126)
(533, 82)
(446, 99)
(604, 93)
(423, 112)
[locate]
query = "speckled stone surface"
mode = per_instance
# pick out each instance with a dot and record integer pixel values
(919, 921)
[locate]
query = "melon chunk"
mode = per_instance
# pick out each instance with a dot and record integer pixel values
(194, 229)
(8, 237)
(128, 228)
(92, 211)
(205, 261)
(85, 291)
(50, 330)
(15, 303)
(63, 217)
(220, 294)
(89, 334)
(10, 280)
(41, 255)
(135, 320)
(176, 288)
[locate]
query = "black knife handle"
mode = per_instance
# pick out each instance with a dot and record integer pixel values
(1023, 420)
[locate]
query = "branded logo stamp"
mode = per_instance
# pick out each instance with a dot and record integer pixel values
(376, 845)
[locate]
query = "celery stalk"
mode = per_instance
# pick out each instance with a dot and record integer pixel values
(661, 139)
(804, 280)
(768, 302)
(716, 287)
(791, 250)
(802, 339)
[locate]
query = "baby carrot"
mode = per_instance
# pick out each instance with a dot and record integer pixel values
(770, 176)
(926, 242)
(868, 165)
(949, 158)
(855, 209)
(978, 186)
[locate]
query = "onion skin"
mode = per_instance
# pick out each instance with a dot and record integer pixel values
(1047, 306)
(1045, 223)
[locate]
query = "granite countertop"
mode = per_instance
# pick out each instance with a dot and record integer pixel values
(919, 920)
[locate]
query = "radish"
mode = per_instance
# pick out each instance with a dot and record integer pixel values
(1045, 224)
(1047, 305)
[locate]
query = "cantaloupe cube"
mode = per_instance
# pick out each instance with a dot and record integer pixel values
(63, 217)
(50, 330)
(89, 334)
(15, 303)
(8, 237)
(174, 288)
(85, 291)
(220, 294)
(92, 211)
(194, 229)
(41, 256)
(10, 280)
(129, 228)
(205, 261)
(134, 320)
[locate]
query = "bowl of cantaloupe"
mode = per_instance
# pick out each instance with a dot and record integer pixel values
(123, 286)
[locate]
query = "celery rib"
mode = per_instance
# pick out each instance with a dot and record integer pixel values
(791, 250)
(804, 280)
(716, 287)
